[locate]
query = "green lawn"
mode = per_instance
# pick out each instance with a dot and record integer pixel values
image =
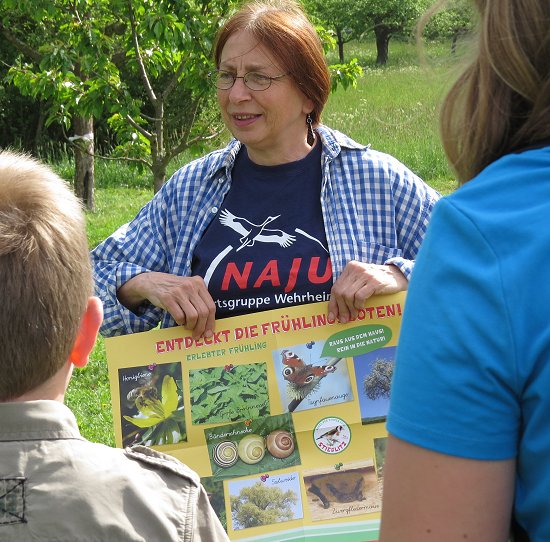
(393, 108)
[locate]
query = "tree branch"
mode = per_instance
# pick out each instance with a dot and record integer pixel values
(75, 144)
(139, 128)
(144, 77)
(174, 81)
(185, 144)
(20, 45)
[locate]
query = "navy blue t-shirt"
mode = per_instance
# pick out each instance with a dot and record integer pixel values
(266, 247)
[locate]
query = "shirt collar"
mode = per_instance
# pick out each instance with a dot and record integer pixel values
(37, 420)
(333, 141)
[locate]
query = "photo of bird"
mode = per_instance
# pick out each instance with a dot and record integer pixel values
(332, 435)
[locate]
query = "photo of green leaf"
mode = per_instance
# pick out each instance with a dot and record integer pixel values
(228, 394)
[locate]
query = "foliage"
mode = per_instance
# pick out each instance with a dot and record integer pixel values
(390, 17)
(456, 18)
(260, 504)
(340, 16)
(59, 51)
(140, 63)
(398, 15)
(354, 19)
(378, 382)
(345, 75)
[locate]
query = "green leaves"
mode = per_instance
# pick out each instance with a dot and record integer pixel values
(143, 60)
(222, 394)
(345, 74)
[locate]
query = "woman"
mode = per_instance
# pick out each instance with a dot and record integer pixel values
(289, 212)
(469, 420)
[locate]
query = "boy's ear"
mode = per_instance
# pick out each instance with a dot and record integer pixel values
(87, 333)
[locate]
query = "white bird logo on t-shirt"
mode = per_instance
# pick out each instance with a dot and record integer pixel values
(251, 232)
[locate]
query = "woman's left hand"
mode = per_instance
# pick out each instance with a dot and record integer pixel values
(357, 283)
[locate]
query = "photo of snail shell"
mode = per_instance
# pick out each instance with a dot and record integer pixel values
(251, 449)
(280, 443)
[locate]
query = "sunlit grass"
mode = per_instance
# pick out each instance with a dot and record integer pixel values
(395, 110)
(89, 397)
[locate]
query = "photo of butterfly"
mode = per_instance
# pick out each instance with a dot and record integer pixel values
(264, 477)
(338, 466)
(302, 375)
(152, 366)
(229, 367)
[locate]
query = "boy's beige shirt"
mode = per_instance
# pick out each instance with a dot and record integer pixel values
(55, 485)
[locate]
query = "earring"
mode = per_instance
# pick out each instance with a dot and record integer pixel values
(310, 132)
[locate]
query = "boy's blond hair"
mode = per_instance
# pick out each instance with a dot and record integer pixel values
(45, 273)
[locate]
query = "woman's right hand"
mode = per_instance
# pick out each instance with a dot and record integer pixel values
(186, 298)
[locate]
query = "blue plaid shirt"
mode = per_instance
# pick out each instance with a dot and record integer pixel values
(375, 210)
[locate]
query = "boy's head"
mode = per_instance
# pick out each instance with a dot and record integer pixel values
(45, 273)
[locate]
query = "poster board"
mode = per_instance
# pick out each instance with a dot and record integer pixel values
(282, 406)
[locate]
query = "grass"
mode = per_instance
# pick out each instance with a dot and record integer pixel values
(394, 108)
(406, 129)
(89, 394)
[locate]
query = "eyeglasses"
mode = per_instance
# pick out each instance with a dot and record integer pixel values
(253, 80)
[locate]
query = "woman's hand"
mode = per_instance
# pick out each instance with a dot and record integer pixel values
(186, 298)
(357, 283)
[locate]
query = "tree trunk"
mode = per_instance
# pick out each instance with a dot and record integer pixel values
(159, 176)
(383, 35)
(455, 37)
(340, 41)
(84, 178)
(39, 131)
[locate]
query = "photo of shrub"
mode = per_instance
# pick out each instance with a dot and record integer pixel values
(374, 373)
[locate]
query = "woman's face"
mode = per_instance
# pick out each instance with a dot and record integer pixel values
(272, 122)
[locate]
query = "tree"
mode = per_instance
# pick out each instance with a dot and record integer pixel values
(351, 19)
(454, 21)
(143, 63)
(169, 47)
(340, 16)
(389, 17)
(21, 121)
(378, 382)
(42, 42)
(261, 504)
